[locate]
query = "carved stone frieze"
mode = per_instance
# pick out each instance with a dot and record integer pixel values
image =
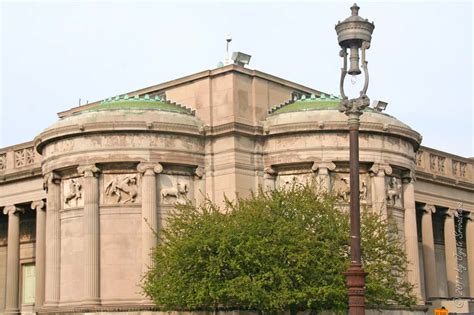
(72, 192)
(363, 190)
(3, 161)
(437, 163)
(441, 161)
(419, 158)
(176, 192)
(459, 168)
(121, 188)
(287, 181)
(394, 192)
(24, 157)
(341, 187)
(433, 159)
(175, 188)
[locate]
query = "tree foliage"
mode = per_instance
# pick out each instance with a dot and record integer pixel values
(274, 251)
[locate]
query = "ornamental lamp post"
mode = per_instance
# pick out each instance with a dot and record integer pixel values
(354, 34)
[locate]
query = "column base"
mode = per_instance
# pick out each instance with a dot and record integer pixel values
(91, 302)
(12, 311)
(355, 279)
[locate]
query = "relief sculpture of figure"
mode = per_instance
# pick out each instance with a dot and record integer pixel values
(123, 185)
(394, 191)
(344, 192)
(74, 191)
(363, 191)
(178, 192)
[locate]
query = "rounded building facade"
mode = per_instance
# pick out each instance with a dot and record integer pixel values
(102, 179)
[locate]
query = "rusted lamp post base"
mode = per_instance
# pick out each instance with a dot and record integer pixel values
(355, 279)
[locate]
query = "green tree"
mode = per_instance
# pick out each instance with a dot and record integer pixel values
(273, 251)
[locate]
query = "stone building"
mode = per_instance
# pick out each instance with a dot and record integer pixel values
(79, 200)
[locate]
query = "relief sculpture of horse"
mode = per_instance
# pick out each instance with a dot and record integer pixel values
(123, 185)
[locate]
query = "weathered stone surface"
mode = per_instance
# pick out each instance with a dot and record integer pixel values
(141, 161)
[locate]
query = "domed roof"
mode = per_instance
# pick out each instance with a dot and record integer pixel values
(141, 103)
(123, 114)
(318, 113)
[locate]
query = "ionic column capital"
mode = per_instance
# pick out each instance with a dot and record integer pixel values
(380, 169)
(269, 172)
(51, 178)
(90, 170)
(10, 210)
(199, 172)
(323, 167)
(429, 209)
(408, 177)
(38, 205)
(147, 168)
(452, 213)
(470, 216)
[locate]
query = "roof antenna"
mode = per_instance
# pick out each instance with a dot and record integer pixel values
(79, 101)
(227, 60)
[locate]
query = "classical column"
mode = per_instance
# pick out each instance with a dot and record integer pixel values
(450, 251)
(13, 259)
(91, 228)
(323, 181)
(470, 252)
(40, 252)
(269, 178)
(379, 194)
(411, 235)
(429, 262)
(199, 185)
(149, 210)
(53, 240)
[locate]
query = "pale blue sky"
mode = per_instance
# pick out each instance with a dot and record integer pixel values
(54, 53)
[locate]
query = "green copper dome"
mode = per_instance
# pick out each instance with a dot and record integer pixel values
(323, 102)
(139, 103)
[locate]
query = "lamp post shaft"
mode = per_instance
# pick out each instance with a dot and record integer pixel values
(354, 33)
(355, 275)
(354, 190)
